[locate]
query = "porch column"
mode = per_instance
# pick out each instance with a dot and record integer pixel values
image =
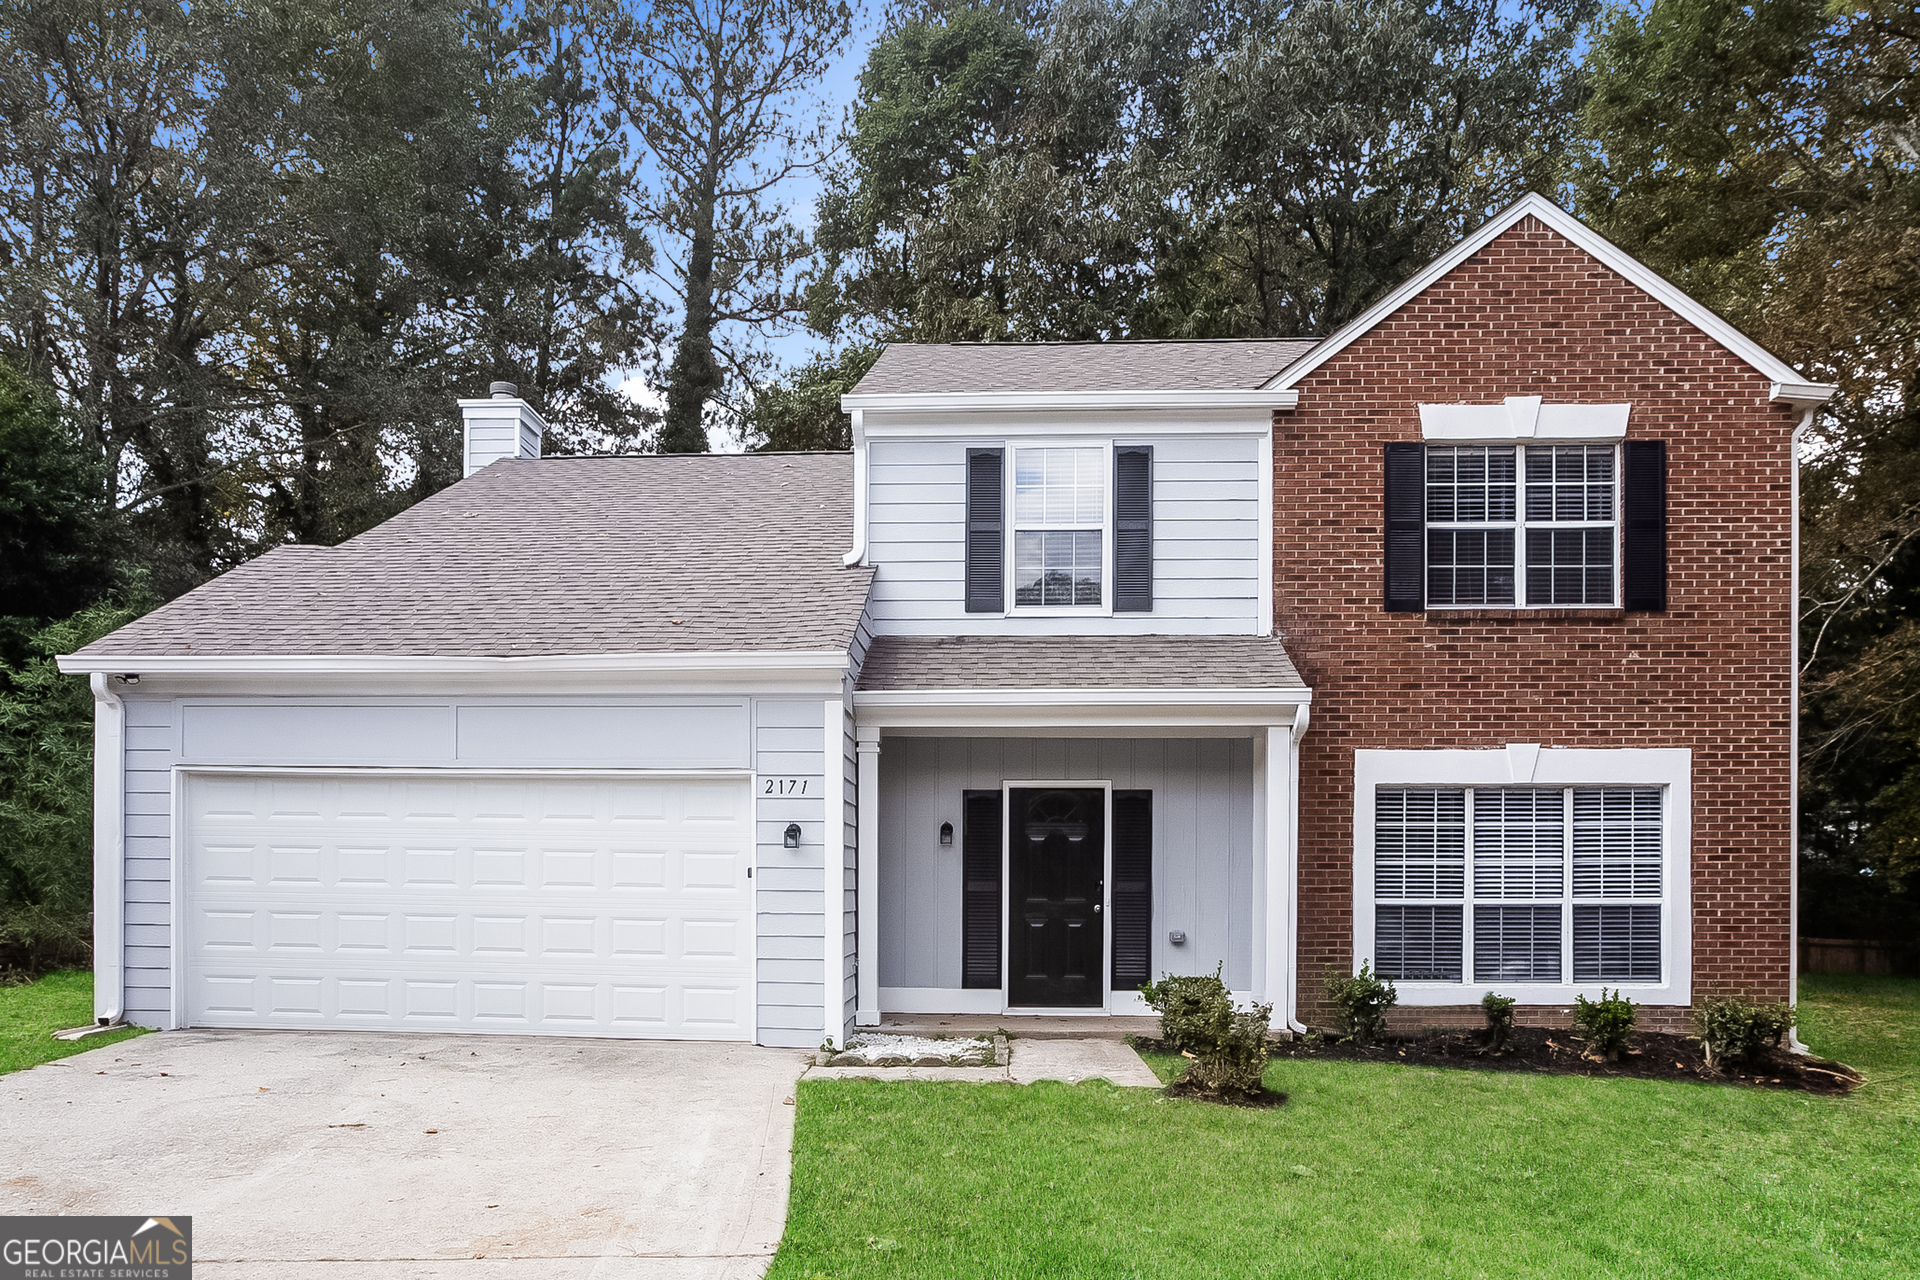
(867, 879)
(1277, 967)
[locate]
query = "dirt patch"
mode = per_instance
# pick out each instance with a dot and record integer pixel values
(1655, 1055)
(1181, 1089)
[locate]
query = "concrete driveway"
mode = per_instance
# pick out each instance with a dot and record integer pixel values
(342, 1155)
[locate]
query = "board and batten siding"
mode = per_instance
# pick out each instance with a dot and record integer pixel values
(1206, 823)
(1206, 540)
(774, 737)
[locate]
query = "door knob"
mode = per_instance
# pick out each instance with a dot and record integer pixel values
(1096, 908)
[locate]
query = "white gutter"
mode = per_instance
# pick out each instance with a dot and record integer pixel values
(859, 551)
(109, 847)
(434, 664)
(1290, 1010)
(1793, 748)
(990, 401)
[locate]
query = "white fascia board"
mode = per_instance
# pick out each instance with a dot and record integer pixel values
(1625, 264)
(834, 660)
(1055, 709)
(1018, 401)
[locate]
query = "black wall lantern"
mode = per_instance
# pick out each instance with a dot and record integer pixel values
(946, 833)
(792, 837)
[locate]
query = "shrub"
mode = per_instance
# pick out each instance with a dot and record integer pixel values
(1363, 1001)
(1606, 1023)
(1187, 1005)
(1228, 1046)
(1499, 1011)
(1732, 1030)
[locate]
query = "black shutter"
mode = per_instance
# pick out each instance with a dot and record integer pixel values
(1643, 559)
(1131, 899)
(986, 537)
(980, 889)
(1133, 529)
(1406, 541)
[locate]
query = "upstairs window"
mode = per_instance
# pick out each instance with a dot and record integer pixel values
(1059, 527)
(1532, 524)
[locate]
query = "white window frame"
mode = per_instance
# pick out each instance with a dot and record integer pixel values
(1013, 529)
(1520, 522)
(1526, 765)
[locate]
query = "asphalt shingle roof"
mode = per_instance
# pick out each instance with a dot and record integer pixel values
(1222, 365)
(1078, 662)
(686, 553)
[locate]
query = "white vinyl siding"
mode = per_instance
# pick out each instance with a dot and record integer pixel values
(1206, 553)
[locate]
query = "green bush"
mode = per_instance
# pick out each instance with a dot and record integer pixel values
(1605, 1024)
(1187, 1005)
(46, 800)
(1228, 1046)
(1733, 1030)
(1363, 1001)
(1499, 1011)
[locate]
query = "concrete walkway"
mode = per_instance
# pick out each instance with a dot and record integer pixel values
(345, 1156)
(1070, 1061)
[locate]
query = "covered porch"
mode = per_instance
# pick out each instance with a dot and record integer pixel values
(1032, 844)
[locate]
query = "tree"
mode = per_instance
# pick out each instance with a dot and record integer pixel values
(1110, 168)
(46, 799)
(57, 543)
(711, 87)
(1763, 156)
(805, 412)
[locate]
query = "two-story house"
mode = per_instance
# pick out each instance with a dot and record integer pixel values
(1459, 643)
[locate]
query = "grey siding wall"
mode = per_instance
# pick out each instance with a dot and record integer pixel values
(1206, 805)
(151, 742)
(784, 738)
(790, 741)
(849, 868)
(1206, 544)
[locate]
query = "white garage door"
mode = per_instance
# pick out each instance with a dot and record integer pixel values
(519, 905)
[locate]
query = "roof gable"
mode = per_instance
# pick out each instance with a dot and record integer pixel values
(1787, 381)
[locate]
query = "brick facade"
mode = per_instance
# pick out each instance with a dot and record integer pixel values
(1533, 314)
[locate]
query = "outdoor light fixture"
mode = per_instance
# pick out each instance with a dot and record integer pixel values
(946, 833)
(130, 678)
(792, 838)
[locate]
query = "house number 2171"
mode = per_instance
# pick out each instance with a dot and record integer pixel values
(784, 786)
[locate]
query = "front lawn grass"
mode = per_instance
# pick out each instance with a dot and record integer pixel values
(30, 1014)
(1378, 1170)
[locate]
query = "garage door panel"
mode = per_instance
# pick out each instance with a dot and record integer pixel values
(585, 906)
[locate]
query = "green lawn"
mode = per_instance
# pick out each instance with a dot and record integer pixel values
(1377, 1170)
(30, 1015)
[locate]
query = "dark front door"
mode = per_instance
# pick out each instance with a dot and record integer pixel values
(1056, 865)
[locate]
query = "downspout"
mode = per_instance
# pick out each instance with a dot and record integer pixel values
(1292, 1004)
(109, 844)
(1793, 748)
(859, 551)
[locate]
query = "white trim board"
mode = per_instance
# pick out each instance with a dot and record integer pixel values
(1527, 764)
(1014, 401)
(1788, 384)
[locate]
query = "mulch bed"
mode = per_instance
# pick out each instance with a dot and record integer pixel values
(1654, 1055)
(1181, 1089)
